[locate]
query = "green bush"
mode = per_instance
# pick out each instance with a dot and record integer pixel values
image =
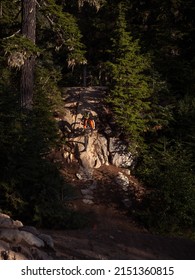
(31, 187)
(169, 206)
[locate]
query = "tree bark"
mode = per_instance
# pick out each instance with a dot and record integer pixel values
(29, 31)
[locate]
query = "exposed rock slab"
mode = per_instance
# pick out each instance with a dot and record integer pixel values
(91, 148)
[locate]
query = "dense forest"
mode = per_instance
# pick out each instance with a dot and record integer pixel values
(143, 52)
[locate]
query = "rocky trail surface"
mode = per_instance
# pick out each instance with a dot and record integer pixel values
(96, 163)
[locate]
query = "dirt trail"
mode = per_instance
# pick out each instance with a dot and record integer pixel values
(111, 234)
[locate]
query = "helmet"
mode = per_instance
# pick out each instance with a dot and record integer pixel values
(87, 114)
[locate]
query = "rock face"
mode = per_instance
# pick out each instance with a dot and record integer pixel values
(119, 154)
(18, 242)
(122, 181)
(92, 148)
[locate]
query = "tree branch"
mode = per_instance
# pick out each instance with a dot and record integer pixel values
(47, 17)
(18, 31)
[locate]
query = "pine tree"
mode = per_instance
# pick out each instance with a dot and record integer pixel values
(57, 34)
(130, 81)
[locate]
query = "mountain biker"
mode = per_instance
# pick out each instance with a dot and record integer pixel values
(88, 121)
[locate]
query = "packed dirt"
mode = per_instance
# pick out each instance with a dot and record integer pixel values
(114, 237)
(112, 234)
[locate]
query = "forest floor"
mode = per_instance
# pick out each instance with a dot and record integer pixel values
(112, 233)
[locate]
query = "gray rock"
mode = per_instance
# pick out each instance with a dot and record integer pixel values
(22, 251)
(15, 236)
(17, 224)
(2, 215)
(4, 246)
(30, 229)
(122, 181)
(127, 171)
(10, 235)
(88, 201)
(120, 156)
(86, 192)
(7, 222)
(39, 254)
(79, 176)
(47, 239)
(86, 173)
(18, 242)
(89, 197)
(31, 239)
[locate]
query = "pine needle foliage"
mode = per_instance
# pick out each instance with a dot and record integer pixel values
(31, 187)
(10, 14)
(130, 81)
(18, 49)
(96, 3)
(66, 33)
(169, 206)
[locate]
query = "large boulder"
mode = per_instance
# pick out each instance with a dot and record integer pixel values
(18, 242)
(119, 154)
(92, 149)
(7, 222)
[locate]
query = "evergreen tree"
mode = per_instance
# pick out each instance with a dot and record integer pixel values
(57, 35)
(26, 139)
(131, 88)
(168, 172)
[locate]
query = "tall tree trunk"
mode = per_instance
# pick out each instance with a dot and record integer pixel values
(27, 75)
(1, 9)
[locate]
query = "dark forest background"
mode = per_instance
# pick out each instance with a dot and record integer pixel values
(144, 52)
